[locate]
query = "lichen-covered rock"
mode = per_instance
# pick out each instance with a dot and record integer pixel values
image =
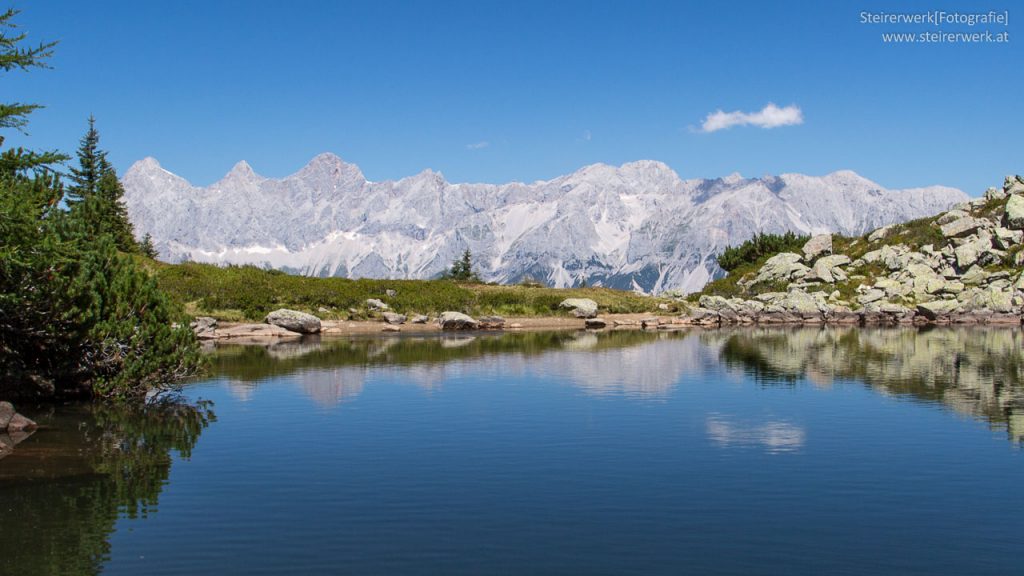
(595, 323)
(204, 327)
(818, 245)
(456, 321)
(1014, 212)
(938, 308)
(420, 319)
(782, 267)
(1014, 185)
(581, 307)
(294, 321)
(961, 227)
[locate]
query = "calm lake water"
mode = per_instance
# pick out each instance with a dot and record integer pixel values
(755, 451)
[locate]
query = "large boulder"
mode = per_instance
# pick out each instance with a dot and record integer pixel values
(374, 304)
(20, 423)
(961, 227)
(456, 321)
(782, 267)
(819, 245)
(1014, 212)
(394, 318)
(1014, 185)
(937, 309)
(581, 307)
(294, 321)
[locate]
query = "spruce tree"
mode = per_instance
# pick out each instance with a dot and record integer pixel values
(96, 195)
(146, 247)
(77, 317)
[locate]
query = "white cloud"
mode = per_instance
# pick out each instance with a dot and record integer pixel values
(586, 136)
(771, 116)
(478, 145)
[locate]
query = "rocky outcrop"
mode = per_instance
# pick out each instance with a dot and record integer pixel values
(970, 273)
(456, 321)
(294, 321)
(581, 307)
(375, 304)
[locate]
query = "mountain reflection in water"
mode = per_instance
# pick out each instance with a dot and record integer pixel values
(976, 371)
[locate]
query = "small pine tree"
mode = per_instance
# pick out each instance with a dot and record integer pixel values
(146, 247)
(462, 269)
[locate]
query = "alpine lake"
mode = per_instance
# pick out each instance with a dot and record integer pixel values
(823, 450)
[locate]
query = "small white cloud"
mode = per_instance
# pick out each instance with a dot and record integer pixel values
(478, 145)
(586, 136)
(771, 116)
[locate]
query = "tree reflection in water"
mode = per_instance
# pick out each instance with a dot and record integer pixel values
(63, 489)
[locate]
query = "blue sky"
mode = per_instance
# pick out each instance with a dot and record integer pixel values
(499, 91)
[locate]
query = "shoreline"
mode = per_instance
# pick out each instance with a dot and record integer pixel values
(239, 332)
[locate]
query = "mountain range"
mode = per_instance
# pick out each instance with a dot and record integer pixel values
(636, 226)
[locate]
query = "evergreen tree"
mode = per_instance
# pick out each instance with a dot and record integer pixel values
(77, 317)
(146, 247)
(462, 269)
(96, 195)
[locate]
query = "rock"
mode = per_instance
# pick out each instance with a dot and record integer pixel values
(374, 304)
(974, 276)
(938, 308)
(391, 328)
(420, 319)
(595, 323)
(456, 321)
(951, 216)
(663, 306)
(390, 293)
(491, 322)
(802, 304)
(880, 234)
(19, 423)
(394, 318)
(1013, 185)
(1006, 238)
(818, 245)
(581, 307)
(515, 325)
(653, 322)
(975, 250)
(889, 256)
(6, 413)
(870, 296)
(961, 227)
(995, 194)
(204, 327)
(294, 321)
(256, 331)
(782, 267)
(1013, 214)
(827, 269)
(323, 310)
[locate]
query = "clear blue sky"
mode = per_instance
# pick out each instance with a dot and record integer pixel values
(499, 91)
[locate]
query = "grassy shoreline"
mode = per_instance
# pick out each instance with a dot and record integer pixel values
(248, 293)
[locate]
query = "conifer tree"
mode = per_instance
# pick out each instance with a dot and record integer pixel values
(146, 247)
(96, 195)
(77, 317)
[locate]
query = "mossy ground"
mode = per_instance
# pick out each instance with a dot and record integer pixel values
(248, 293)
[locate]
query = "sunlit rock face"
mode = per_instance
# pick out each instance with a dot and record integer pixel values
(635, 226)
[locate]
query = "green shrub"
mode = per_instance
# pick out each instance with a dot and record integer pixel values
(759, 247)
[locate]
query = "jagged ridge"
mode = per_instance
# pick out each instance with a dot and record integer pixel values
(634, 226)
